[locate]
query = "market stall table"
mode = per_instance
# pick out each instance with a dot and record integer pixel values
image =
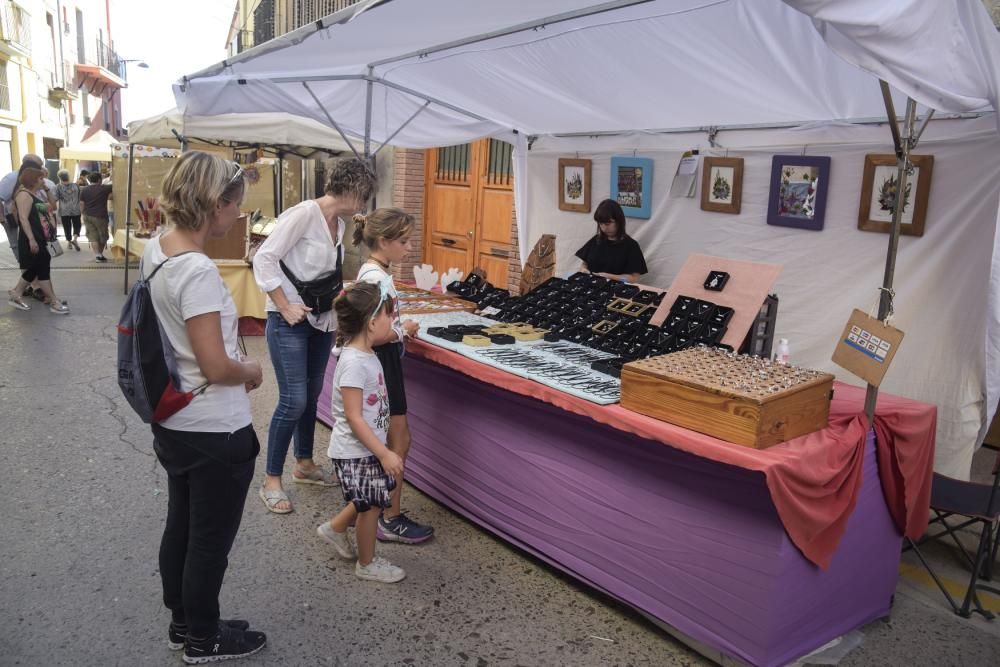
(237, 275)
(692, 534)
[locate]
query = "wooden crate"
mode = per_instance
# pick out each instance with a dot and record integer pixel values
(740, 399)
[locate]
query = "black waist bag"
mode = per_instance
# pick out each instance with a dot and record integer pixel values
(317, 294)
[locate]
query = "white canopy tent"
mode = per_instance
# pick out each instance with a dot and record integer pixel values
(277, 132)
(425, 73)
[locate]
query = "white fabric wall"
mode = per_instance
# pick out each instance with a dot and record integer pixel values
(942, 278)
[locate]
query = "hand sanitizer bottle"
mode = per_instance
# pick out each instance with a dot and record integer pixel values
(782, 353)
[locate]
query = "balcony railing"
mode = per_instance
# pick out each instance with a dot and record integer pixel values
(108, 59)
(16, 25)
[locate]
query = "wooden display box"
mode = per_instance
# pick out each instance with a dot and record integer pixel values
(231, 246)
(739, 399)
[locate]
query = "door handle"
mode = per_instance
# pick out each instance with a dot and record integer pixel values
(448, 241)
(470, 234)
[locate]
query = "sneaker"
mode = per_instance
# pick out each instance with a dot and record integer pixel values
(17, 302)
(100, 259)
(340, 541)
(402, 528)
(59, 308)
(176, 634)
(228, 643)
(75, 245)
(379, 570)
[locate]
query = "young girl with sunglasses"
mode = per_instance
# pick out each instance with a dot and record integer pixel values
(368, 470)
(386, 234)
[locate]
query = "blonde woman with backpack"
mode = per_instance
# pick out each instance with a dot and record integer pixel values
(208, 448)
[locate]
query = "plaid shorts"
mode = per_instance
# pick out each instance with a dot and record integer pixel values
(364, 482)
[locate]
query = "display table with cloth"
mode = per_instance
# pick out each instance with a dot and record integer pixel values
(236, 273)
(763, 555)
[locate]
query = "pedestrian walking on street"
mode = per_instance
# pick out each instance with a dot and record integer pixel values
(31, 214)
(95, 214)
(68, 196)
(302, 259)
(209, 447)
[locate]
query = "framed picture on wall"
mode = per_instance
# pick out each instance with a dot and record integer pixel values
(722, 184)
(879, 190)
(632, 185)
(799, 184)
(574, 185)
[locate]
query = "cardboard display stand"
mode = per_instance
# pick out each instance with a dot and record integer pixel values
(748, 285)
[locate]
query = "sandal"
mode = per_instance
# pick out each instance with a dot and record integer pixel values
(315, 476)
(272, 497)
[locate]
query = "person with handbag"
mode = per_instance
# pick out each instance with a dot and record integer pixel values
(35, 232)
(299, 267)
(68, 195)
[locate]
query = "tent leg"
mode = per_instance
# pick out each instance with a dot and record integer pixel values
(904, 144)
(128, 211)
(279, 197)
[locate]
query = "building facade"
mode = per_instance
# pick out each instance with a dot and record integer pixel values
(60, 77)
(460, 196)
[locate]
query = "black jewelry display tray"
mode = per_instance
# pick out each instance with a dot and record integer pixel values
(576, 309)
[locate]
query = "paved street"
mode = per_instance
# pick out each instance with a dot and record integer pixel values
(84, 501)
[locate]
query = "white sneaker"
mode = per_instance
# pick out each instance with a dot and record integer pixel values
(340, 541)
(379, 570)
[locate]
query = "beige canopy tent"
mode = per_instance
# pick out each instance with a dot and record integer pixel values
(96, 147)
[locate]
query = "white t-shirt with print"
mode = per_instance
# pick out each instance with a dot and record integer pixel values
(190, 285)
(363, 371)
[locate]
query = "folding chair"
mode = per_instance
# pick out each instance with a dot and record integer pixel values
(980, 504)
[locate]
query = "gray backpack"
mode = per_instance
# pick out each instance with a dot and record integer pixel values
(147, 368)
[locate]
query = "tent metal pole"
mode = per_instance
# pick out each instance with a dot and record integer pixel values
(890, 111)
(330, 119)
(368, 116)
(128, 211)
(400, 128)
(280, 198)
(904, 144)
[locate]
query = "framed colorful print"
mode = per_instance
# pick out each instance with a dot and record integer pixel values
(632, 185)
(799, 184)
(879, 189)
(574, 185)
(722, 184)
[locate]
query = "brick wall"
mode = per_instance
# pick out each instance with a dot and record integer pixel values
(408, 194)
(514, 269)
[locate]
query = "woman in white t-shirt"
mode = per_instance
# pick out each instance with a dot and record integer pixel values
(306, 246)
(208, 448)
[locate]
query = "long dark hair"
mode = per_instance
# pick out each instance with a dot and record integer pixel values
(609, 210)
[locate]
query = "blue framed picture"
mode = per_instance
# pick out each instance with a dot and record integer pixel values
(798, 191)
(632, 185)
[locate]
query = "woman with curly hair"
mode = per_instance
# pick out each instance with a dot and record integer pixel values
(302, 261)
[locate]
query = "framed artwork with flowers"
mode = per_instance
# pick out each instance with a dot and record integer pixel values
(722, 184)
(799, 184)
(879, 190)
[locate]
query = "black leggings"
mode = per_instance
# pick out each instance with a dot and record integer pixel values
(40, 266)
(71, 225)
(208, 475)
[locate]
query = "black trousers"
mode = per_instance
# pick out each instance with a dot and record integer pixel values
(71, 226)
(208, 478)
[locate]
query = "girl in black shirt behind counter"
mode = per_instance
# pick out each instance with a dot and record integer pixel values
(611, 252)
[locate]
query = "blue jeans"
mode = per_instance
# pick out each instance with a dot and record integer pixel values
(299, 355)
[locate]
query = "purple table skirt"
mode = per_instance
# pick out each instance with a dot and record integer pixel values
(692, 542)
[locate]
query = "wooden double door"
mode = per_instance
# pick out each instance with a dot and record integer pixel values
(469, 208)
